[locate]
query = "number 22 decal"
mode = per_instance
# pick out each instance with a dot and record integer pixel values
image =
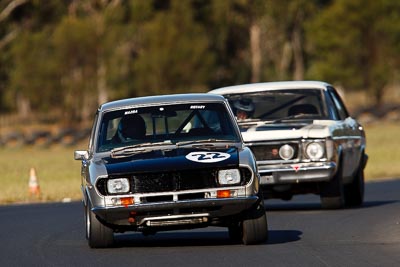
(207, 156)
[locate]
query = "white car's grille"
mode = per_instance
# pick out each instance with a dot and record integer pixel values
(265, 152)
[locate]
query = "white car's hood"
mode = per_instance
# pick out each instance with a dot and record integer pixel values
(268, 132)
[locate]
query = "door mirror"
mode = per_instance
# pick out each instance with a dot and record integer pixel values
(81, 155)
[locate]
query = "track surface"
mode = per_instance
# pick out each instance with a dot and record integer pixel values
(301, 234)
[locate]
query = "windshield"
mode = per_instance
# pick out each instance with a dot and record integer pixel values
(166, 124)
(279, 105)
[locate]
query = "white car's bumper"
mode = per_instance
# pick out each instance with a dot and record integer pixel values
(296, 172)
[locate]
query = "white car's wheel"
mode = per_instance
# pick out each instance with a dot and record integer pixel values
(332, 192)
(354, 192)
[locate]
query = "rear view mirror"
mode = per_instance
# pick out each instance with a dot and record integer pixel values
(163, 114)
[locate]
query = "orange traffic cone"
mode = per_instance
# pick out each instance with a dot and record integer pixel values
(34, 188)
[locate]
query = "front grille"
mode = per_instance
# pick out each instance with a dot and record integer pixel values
(173, 181)
(271, 151)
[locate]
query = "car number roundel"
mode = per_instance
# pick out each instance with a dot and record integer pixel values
(207, 156)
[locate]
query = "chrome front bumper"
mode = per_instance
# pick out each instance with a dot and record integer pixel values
(176, 212)
(296, 172)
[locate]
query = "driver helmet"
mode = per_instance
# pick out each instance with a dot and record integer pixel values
(244, 105)
(131, 127)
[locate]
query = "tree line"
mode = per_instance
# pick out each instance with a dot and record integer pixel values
(69, 56)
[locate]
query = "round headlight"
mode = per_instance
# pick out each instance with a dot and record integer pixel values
(315, 151)
(286, 152)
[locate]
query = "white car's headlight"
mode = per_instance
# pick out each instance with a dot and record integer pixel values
(229, 177)
(286, 152)
(315, 151)
(118, 186)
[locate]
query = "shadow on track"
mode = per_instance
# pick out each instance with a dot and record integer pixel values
(370, 204)
(174, 239)
(198, 239)
(292, 206)
(283, 236)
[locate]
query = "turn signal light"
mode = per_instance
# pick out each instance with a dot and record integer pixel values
(223, 193)
(126, 201)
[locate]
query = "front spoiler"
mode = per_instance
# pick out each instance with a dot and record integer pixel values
(296, 173)
(211, 208)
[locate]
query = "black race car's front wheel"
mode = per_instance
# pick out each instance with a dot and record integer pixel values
(97, 234)
(255, 226)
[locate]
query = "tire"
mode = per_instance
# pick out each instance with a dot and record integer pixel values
(97, 234)
(354, 192)
(255, 226)
(332, 192)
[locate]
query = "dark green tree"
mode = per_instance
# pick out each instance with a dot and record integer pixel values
(355, 43)
(173, 54)
(32, 77)
(283, 38)
(26, 27)
(228, 26)
(76, 58)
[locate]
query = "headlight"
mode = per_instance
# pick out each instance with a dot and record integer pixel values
(227, 177)
(117, 186)
(286, 152)
(315, 151)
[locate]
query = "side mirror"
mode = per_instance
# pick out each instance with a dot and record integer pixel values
(81, 154)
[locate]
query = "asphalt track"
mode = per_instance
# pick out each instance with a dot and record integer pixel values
(301, 234)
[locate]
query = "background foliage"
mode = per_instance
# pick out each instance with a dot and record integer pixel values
(70, 56)
(64, 58)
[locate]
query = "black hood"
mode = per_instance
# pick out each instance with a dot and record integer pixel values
(173, 160)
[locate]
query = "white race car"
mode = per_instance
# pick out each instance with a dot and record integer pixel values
(303, 138)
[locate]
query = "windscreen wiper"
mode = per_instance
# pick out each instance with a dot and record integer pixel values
(210, 143)
(303, 115)
(137, 149)
(248, 121)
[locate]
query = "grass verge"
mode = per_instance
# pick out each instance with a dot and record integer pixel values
(57, 172)
(383, 149)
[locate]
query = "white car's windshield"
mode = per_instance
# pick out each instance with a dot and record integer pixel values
(173, 123)
(278, 105)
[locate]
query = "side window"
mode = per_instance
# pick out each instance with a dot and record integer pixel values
(341, 109)
(112, 127)
(331, 107)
